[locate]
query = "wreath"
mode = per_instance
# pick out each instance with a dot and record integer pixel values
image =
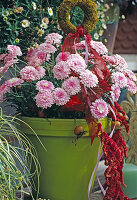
(90, 15)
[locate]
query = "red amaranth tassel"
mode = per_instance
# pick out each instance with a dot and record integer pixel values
(113, 149)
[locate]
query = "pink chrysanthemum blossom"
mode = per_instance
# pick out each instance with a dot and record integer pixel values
(44, 99)
(30, 52)
(44, 85)
(99, 47)
(80, 45)
(60, 96)
(119, 79)
(72, 85)
(29, 74)
(76, 63)
(8, 58)
(41, 55)
(99, 109)
(35, 62)
(3, 69)
(131, 86)
(62, 57)
(115, 93)
(2, 56)
(13, 82)
(109, 59)
(47, 48)
(41, 72)
(53, 38)
(120, 62)
(88, 79)
(14, 50)
(61, 70)
(130, 74)
(4, 88)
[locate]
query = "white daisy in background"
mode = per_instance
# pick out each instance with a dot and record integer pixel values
(40, 32)
(45, 20)
(25, 23)
(50, 11)
(96, 36)
(34, 5)
(104, 26)
(5, 13)
(101, 31)
(45, 26)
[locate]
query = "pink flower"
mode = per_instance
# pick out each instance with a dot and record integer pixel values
(80, 45)
(9, 57)
(47, 48)
(120, 62)
(41, 72)
(109, 59)
(117, 61)
(99, 109)
(34, 61)
(14, 50)
(19, 9)
(7, 65)
(53, 38)
(44, 99)
(30, 52)
(119, 78)
(88, 79)
(60, 96)
(130, 74)
(14, 82)
(131, 86)
(115, 93)
(62, 57)
(76, 63)
(61, 70)
(4, 88)
(44, 85)
(72, 85)
(41, 55)
(99, 47)
(2, 56)
(29, 74)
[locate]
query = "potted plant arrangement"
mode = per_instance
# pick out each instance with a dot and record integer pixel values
(64, 91)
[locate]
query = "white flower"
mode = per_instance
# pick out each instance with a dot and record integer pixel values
(45, 20)
(34, 5)
(104, 26)
(50, 11)
(45, 26)
(25, 23)
(101, 32)
(96, 36)
(5, 13)
(40, 32)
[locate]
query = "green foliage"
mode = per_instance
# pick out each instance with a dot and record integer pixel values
(11, 19)
(13, 32)
(16, 155)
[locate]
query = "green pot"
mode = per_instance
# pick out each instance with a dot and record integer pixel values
(66, 168)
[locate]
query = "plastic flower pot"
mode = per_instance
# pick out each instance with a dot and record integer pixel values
(66, 168)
